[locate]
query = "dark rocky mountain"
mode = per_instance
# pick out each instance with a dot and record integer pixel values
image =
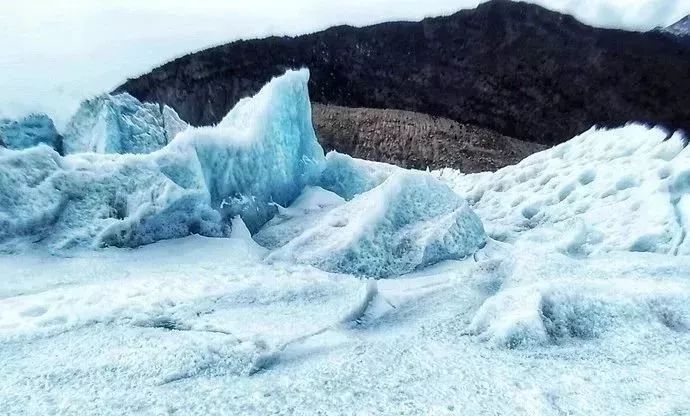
(679, 31)
(515, 68)
(416, 140)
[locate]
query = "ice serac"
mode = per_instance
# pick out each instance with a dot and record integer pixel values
(410, 220)
(260, 156)
(29, 131)
(121, 124)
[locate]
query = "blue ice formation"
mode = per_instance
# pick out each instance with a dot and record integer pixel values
(409, 221)
(348, 177)
(121, 124)
(260, 167)
(259, 157)
(29, 131)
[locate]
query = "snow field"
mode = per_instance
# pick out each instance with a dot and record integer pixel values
(621, 189)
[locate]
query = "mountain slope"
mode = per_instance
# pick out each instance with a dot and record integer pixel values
(679, 30)
(415, 140)
(516, 68)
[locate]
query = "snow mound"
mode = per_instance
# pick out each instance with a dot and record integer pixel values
(564, 310)
(411, 220)
(30, 131)
(622, 189)
(262, 154)
(121, 124)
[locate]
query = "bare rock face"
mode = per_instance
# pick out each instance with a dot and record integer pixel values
(415, 140)
(515, 68)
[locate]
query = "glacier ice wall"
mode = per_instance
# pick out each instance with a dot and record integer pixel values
(409, 221)
(625, 189)
(121, 124)
(29, 131)
(260, 156)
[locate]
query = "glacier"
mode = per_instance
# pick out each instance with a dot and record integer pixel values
(240, 270)
(121, 124)
(32, 130)
(253, 165)
(258, 157)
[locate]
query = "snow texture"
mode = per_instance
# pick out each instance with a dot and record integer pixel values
(409, 221)
(30, 131)
(290, 222)
(262, 154)
(200, 325)
(604, 190)
(121, 124)
(566, 309)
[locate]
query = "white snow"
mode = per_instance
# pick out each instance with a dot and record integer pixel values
(200, 325)
(604, 190)
(581, 308)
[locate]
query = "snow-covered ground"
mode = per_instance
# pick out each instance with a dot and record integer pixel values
(201, 326)
(561, 287)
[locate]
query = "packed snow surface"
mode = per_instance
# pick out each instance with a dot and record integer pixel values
(121, 124)
(574, 302)
(626, 189)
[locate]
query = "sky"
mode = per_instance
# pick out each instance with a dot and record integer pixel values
(57, 53)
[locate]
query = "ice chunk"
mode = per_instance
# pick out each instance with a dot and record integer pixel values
(172, 123)
(30, 131)
(96, 199)
(262, 154)
(121, 124)
(411, 220)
